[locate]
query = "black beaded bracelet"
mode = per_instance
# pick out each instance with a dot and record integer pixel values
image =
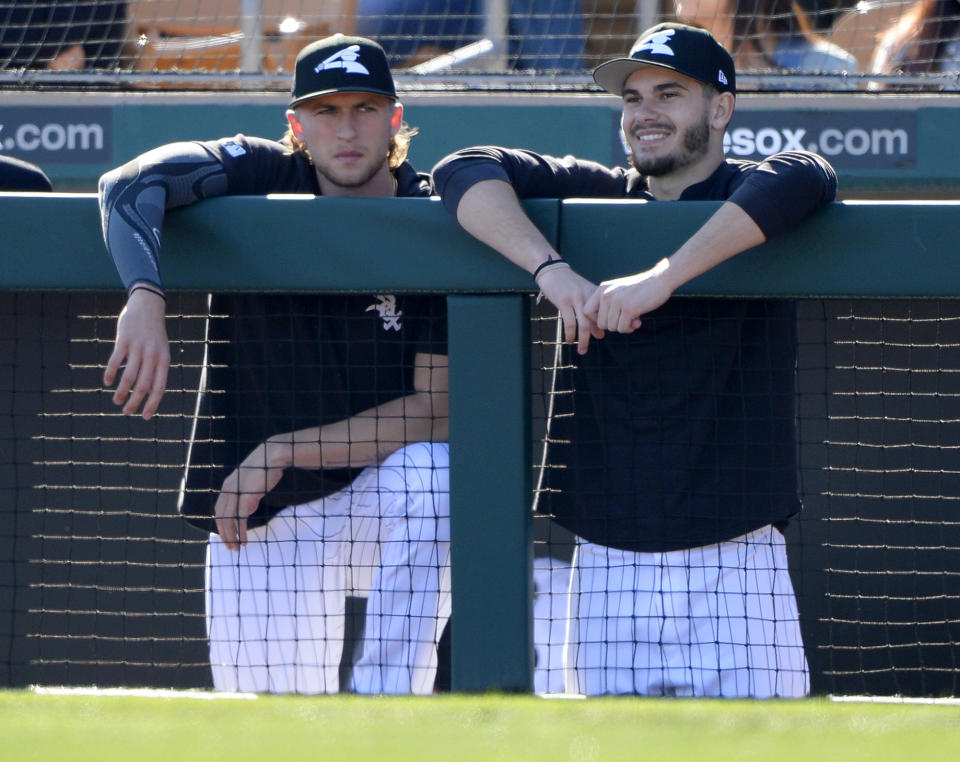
(148, 288)
(547, 263)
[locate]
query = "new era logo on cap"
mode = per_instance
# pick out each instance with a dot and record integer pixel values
(341, 64)
(685, 49)
(348, 58)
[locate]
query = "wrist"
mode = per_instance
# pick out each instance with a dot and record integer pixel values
(548, 265)
(668, 274)
(277, 453)
(146, 288)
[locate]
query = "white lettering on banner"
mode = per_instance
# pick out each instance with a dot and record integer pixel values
(768, 140)
(54, 137)
(831, 141)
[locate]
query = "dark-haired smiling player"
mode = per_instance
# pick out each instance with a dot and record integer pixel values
(318, 461)
(679, 461)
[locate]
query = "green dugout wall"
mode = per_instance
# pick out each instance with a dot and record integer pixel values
(888, 145)
(52, 243)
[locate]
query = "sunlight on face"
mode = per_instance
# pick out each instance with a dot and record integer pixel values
(348, 136)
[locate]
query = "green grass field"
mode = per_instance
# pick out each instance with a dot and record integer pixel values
(267, 729)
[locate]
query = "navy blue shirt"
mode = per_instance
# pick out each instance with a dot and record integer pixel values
(275, 363)
(682, 433)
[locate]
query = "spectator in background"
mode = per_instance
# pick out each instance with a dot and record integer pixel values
(61, 36)
(543, 34)
(19, 175)
(924, 40)
(766, 34)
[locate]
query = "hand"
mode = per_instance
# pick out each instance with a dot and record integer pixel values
(243, 490)
(142, 343)
(618, 304)
(69, 59)
(569, 292)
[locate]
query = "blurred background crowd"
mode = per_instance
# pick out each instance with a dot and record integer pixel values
(888, 37)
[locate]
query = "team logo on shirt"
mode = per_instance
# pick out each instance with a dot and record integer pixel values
(347, 59)
(386, 308)
(233, 148)
(656, 43)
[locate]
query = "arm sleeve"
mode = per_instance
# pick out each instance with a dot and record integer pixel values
(135, 197)
(532, 175)
(784, 189)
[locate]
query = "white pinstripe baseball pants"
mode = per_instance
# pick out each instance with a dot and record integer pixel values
(275, 610)
(719, 620)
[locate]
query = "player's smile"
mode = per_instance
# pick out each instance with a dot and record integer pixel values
(648, 136)
(663, 118)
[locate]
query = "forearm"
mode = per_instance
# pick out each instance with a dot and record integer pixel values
(729, 231)
(363, 439)
(491, 212)
(134, 199)
(620, 304)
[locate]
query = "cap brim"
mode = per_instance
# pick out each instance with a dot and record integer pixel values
(612, 75)
(330, 91)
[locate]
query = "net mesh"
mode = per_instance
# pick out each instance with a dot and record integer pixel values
(822, 44)
(873, 553)
(103, 581)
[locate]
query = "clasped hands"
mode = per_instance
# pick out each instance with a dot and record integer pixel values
(615, 305)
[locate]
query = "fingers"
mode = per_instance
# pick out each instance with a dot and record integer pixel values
(579, 328)
(625, 323)
(114, 363)
(143, 378)
(568, 314)
(229, 522)
(128, 379)
(142, 344)
(239, 498)
(156, 390)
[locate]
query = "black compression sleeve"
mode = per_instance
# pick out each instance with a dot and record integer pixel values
(135, 197)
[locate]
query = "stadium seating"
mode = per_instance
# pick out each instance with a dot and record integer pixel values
(208, 35)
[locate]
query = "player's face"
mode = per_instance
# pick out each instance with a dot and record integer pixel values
(667, 120)
(348, 136)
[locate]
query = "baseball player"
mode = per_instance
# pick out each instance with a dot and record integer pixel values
(318, 460)
(680, 458)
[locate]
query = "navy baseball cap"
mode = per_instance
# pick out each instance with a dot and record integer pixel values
(341, 64)
(685, 49)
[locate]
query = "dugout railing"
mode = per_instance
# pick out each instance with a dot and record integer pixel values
(903, 251)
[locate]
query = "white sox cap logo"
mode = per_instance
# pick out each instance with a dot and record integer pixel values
(347, 59)
(386, 308)
(656, 43)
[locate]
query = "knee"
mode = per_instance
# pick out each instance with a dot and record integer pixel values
(419, 467)
(418, 477)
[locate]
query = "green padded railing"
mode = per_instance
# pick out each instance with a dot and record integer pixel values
(52, 242)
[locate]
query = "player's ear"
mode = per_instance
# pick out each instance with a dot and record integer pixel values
(295, 127)
(396, 121)
(722, 110)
